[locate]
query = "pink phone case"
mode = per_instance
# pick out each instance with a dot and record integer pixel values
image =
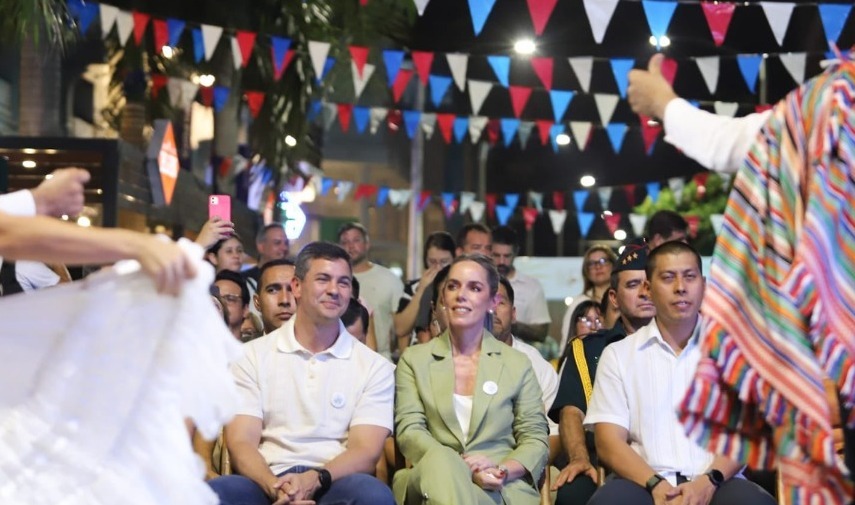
(220, 205)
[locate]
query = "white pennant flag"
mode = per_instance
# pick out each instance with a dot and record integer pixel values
(476, 126)
(458, 62)
(778, 15)
(237, 58)
(677, 184)
(329, 113)
(478, 91)
(605, 194)
(377, 117)
(581, 130)
(638, 221)
(428, 122)
(795, 64)
(343, 188)
(476, 210)
(124, 26)
(536, 199)
(399, 197)
(709, 66)
(583, 66)
(108, 18)
(466, 199)
(726, 108)
(359, 84)
(181, 92)
(606, 105)
(717, 221)
(210, 37)
(421, 5)
(600, 14)
(524, 131)
(318, 52)
(557, 218)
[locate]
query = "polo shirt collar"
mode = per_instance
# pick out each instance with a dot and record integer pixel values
(287, 342)
(653, 334)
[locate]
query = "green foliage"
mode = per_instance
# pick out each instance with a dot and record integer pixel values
(21, 18)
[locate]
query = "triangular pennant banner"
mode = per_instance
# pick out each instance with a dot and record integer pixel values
(439, 85)
(653, 191)
(108, 14)
(124, 26)
(328, 65)
(529, 217)
(364, 191)
(315, 108)
(446, 123)
(359, 55)
(778, 15)
(600, 14)
(254, 100)
(330, 112)
(399, 197)
(501, 66)
(606, 105)
(211, 36)
(612, 222)
(476, 126)
(476, 211)
(461, 127)
(392, 60)
(245, 42)
(621, 68)
(543, 127)
(728, 109)
(428, 122)
(490, 199)
(411, 121)
(581, 131)
(536, 199)
(583, 67)
(676, 184)
(158, 81)
(638, 221)
(605, 195)
(359, 83)
(519, 98)
(326, 185)
(717, 221)
(795, 63)
(833, 18)
(543, 67)
(512, 200)
(377, 118)
(422, 60)
(235, 50)
(479, 10)
(557, 219)
(198, 45)
(649, 132)
(560, 102)
(344, 188)
(401, 82)
(709, 67)
(554, 131)
(344, 112)
(175, 27)
(478, 91)
(509, 129)
(616, 133)
(421, 5)
(84, 13)
(503, 214)
(221, 96)
(382, 195)
(540, 11)
(558, 199)
(140, 23)
(318, 52)
(447, 201)
(749, 65)
(586, 219)
(629, 191)
(658, 16)
(525, 132)
(580, 196)
(669, 70)
(458, 62)
(279, 48)
(466, 199)
(718, 17)
(360, 118)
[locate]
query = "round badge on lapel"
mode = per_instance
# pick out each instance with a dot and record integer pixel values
(491, 388)
(338, 400)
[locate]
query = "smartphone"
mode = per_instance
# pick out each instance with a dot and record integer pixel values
(220, 206)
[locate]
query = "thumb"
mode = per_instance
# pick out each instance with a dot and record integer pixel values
(654, 66)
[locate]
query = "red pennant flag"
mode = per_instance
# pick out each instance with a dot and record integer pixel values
(423, 61)
(694, 223)
(490, 199)
(140, 23)
(360, 56)
(629, 190)
(718, 19)
(364, 191)
(519, 97)
(158, 81)
(161, 34)
(493, 131)
(254, 99)
(207, 95)
(394, 120)
(649, 132)
(612, 222)
(401, 81)
(543, 68)
(446, 123)
(543, 127)
(669, 70)
(558, 200)
(225, 166)
(344, 113)
(424, 198)
(279, 67)
(246, 41)
(529, 217)
(763, 107)
(540, 11)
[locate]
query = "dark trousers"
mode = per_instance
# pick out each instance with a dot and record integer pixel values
(577, 492)
(618, 491)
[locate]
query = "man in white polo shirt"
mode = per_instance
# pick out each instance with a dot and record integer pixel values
(317, 404)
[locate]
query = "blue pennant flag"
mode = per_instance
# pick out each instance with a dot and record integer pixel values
(502, 68)
(198, 45)
(512, 199)
(447, 200)
(438, 87)
(221, 96)
(616, 132)
(382, 195)
(749, 65)
(659, 16)
(560, 101)
(621, 67)
(833, 18)
(392, 59)
(586, 219)
(503, 213)
(509, 129)
(175, 27)
(315, 108)
(83, 12)
(653, 191)
(461, 127)
(360, 118)
(479, 10)
(280, 48)
(328, 65)
(326, 185)
(580, 196)
(554, 131)
(411, 121)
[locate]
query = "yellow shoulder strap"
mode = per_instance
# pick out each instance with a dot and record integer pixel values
(582, 366)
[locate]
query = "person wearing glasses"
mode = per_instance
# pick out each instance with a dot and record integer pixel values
(235, 296)
(596, 272)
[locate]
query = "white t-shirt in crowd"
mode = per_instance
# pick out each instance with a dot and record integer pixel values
(383, 290)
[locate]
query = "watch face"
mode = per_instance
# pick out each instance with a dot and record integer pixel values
(716, 477)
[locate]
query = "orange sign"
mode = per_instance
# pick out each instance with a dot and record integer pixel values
(167, 162)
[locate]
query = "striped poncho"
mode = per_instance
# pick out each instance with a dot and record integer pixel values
(780, 302)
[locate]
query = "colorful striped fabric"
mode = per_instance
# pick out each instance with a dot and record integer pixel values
(780, 301)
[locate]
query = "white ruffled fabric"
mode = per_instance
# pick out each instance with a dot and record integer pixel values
(96, 379)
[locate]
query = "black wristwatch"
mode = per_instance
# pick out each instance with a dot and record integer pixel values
(716, 477)
(652, 482)
(325, 480)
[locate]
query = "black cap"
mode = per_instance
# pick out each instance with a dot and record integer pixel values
(633, 257)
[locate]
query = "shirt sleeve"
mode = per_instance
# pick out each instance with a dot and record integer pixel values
(245, 372)
(608, 401)
(18, 203)
(376, 403)
(717, 142)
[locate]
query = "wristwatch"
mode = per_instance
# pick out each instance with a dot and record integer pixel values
(325, 480)
(716, 477)
(652, 482)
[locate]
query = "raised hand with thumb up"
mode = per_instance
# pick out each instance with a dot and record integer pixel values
(648, 92)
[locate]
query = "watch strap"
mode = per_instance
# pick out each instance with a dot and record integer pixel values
(652, 482)
(325, 480)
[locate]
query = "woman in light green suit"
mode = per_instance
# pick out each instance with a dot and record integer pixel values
(468, 409)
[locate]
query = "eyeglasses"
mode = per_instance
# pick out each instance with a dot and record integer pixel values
(232, 298)
(600, 262)
(591, 323)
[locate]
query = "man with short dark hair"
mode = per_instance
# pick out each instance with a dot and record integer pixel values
(316, 404)
(474, 238)
(274, 300)
(665, 226)
(235, 294)
(272, 244)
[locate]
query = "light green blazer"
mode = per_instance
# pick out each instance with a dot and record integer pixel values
(507, 424)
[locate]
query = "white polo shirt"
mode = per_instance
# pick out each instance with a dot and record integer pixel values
(529, 299)
(640, 382)
(308, 402)
(546, 377)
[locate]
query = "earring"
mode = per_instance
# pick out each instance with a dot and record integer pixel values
(490, 312)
